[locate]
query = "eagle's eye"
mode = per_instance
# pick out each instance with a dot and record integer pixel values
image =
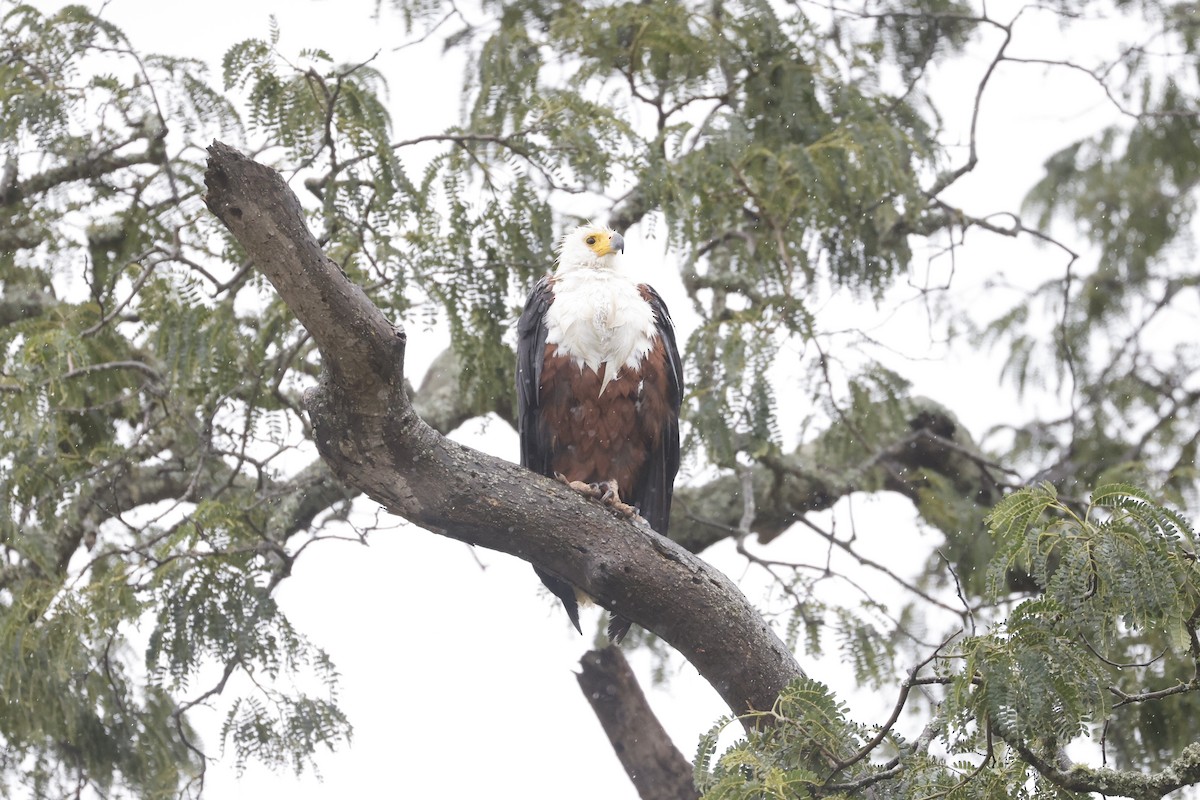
(591, 240)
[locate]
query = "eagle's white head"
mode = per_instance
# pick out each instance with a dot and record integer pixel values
(590, 247)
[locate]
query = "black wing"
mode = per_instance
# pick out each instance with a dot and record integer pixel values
(531, 352)
(653, 495)
(535, 446)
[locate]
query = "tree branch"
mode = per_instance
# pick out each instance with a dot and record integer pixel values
(366, 429)
(911, 448)
(440, 400)
(93, 165)
(652, 761)
(21, 303)
(1183, 771)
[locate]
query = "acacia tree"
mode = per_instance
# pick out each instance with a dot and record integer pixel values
(153, 381)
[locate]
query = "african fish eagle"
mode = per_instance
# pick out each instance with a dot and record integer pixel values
(599, 385)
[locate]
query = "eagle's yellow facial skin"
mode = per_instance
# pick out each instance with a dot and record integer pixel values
(603, 243)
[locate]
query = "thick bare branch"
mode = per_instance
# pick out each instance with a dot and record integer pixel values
(652, 761)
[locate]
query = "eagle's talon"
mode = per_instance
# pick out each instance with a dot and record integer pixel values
(639, 520)
(610, 493)
(632, 512)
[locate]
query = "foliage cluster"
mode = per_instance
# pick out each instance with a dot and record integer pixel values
(1119, 613)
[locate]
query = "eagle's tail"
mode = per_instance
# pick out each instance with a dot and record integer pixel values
(563, 591)
(617, 628)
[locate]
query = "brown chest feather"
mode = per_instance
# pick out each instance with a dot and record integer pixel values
(598, 437)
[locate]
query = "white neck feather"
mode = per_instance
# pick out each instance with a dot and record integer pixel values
(599, 317)
(582, 259)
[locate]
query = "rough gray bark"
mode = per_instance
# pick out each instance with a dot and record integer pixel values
(369, 434)
(650, 758)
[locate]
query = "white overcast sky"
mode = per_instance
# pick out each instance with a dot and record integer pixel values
(457, 673)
